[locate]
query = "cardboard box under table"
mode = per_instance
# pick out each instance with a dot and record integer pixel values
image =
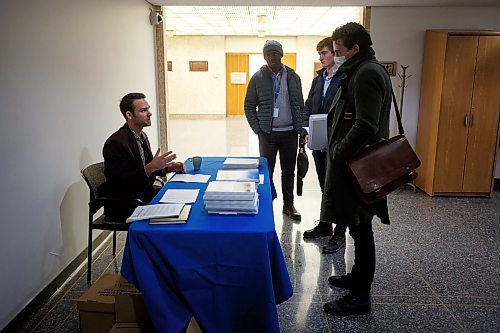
(111, 299)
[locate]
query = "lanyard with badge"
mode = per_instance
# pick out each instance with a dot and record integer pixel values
(276, 88)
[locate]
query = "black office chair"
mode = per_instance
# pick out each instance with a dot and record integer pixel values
(95, 178)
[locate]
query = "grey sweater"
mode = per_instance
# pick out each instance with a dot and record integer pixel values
(259, 100)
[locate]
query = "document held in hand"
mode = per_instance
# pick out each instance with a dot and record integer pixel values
(317, 132)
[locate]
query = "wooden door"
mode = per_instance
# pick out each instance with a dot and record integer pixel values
(235, 93)
(290, 59)
(236, 63)
(484, 118)
(455, 113)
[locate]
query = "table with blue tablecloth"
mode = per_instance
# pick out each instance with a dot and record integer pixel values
(227, 271)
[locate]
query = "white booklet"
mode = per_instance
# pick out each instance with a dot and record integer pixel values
(188, 178)
(155, 211)
(241, 163)
(317, 132)
(245, 175)
(180, 196)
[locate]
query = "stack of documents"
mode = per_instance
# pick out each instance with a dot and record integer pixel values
(241, 163)
(182, 218)
(317, 132)
(155, 211)
(247, 175)
(231, 197)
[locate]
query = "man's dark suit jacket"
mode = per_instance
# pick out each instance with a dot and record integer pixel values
(124, 171)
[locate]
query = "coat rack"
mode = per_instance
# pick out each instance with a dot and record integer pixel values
(403, 86)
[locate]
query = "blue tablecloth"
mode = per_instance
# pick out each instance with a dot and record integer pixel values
(226, 271)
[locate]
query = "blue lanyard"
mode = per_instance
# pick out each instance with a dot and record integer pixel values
(277, 84)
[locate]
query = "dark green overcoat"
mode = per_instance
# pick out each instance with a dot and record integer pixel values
(359, 115)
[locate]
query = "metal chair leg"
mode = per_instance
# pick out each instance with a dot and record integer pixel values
(89, 256)
(114, 242)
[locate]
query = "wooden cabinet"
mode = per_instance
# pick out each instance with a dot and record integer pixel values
(458, 124)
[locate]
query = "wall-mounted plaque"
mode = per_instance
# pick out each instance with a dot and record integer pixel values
(238, 77)
(198, 66)
(169, 66)
(390, 66)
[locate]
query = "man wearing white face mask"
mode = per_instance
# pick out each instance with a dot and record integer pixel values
(359, 116)
(339, 60)
(323, 88)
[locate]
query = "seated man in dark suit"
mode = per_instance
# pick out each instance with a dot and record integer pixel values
(129, 164)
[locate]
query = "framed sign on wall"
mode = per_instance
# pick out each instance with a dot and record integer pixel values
(198, 66)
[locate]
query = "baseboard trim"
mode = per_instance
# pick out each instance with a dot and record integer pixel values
(15, 325)
(496, 184)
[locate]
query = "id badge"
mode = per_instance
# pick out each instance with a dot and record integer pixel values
(276, 112)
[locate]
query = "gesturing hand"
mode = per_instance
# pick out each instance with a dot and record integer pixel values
(160, 161)
(177, 167)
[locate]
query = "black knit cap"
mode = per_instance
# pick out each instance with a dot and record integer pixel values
(272, 45)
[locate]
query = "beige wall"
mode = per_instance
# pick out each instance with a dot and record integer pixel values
(210, 87)
(64, 67)
(196, 92)
(398, 35)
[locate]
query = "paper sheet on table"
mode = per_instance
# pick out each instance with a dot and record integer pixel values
(155, 211)
(188, 178)
(261, 178)
(180, 196)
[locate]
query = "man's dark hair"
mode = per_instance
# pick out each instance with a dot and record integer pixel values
(353, 33)
(127, 102)
(325, 42)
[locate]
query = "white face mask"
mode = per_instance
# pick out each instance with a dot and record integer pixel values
(339, 60)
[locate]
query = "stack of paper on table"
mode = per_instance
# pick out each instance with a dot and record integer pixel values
(233, 206)
(317, 132)
(248, 175)
(231, 197)
(182, 218)
(155, 211)
(241, 163)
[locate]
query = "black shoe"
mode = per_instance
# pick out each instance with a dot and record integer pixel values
(321, 230)
(349, 304)
(291, 212)
(335, 243)
(344, 281)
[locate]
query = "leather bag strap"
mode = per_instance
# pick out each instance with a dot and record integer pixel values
(396, 109)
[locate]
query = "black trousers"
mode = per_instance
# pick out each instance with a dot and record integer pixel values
(364, 252)
(286, 143)
(320, 163)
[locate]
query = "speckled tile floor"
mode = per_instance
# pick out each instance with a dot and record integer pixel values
(437, 264)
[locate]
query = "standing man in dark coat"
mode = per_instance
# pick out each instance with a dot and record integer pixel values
(273, 107)
(359, 116)
(129, 165)
(319, 100)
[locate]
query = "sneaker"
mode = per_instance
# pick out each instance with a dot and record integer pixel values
(321, 230)
(335, 243)
(349, 304)
(291, 212)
